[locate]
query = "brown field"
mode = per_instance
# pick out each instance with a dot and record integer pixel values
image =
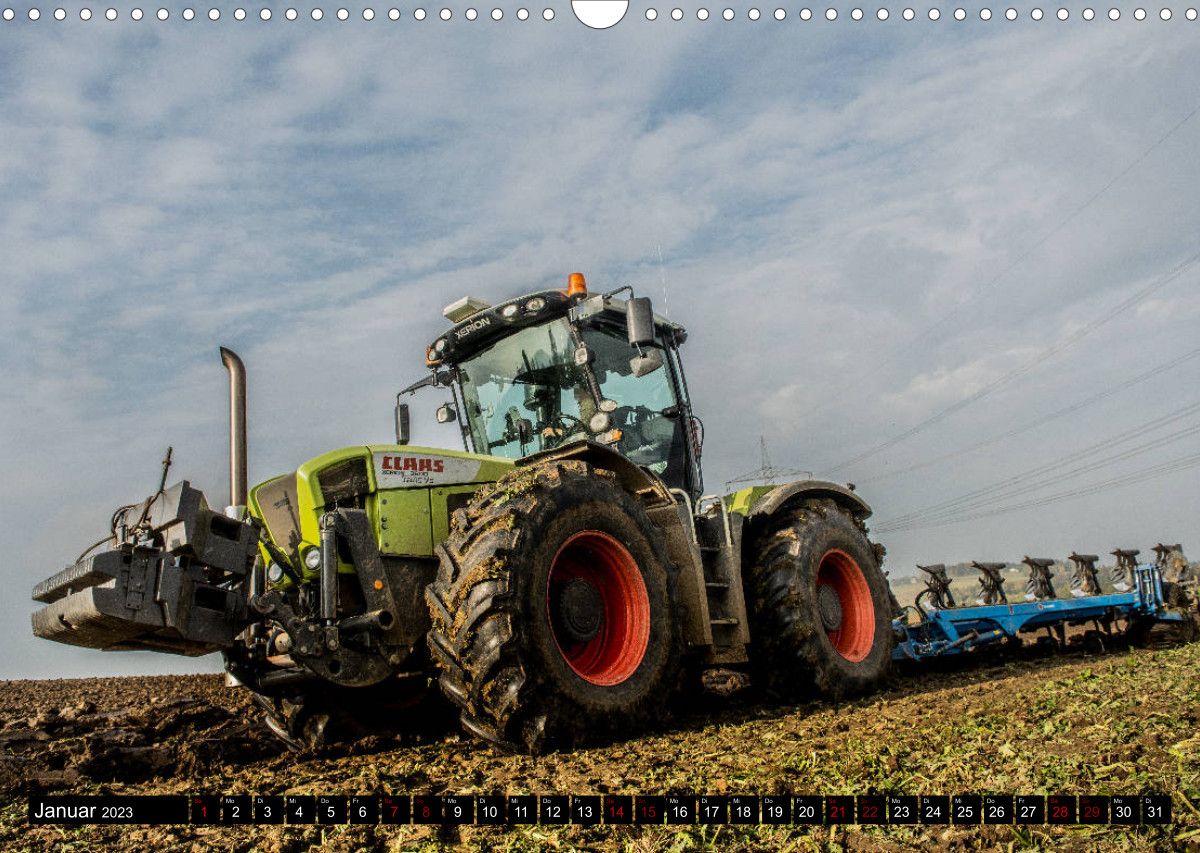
(1118, 723)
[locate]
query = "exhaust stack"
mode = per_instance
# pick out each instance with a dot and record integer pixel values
(237, 427)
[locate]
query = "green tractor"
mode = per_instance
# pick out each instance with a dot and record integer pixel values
(565, 576)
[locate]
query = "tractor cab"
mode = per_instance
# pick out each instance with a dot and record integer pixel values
(548, 369)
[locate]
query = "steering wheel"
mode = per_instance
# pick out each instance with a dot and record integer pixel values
(556, 431)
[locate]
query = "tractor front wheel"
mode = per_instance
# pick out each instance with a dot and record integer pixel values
(821, 609)
(554, 613)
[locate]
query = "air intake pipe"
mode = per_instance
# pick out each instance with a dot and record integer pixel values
(237, 426)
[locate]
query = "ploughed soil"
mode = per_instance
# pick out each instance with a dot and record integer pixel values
(1116, 723)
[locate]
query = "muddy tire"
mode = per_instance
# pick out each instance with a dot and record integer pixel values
(821, 609)
(554, 611)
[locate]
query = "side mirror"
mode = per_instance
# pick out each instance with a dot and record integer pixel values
(646, 363)
(639, 321)
(446, 414)
(401, 423)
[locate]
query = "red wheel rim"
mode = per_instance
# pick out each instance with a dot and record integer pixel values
(853, 638)
(615, 653)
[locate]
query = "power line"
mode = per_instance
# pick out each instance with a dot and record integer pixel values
(953, 312)
(1085, 469)
(1180, 464)
(1037, 422)
(1070, 458)
(1021, 258)
(1005, 492)
(1018, 372)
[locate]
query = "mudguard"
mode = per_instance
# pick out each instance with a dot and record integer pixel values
(763, 505)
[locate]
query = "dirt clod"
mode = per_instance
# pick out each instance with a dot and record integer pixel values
(1118, 723)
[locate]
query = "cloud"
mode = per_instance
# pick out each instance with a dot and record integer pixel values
(930, 391)
(812, 204)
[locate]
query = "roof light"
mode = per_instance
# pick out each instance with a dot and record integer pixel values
(576, 286)
(460, 310)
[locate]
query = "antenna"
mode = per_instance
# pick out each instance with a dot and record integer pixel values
(662, 274)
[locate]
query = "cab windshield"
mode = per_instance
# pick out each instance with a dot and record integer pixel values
(526, 394)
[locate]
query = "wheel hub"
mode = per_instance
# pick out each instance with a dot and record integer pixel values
(830, 607)
(598, 608)
(580, 610)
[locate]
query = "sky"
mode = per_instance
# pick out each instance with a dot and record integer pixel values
(890, 241)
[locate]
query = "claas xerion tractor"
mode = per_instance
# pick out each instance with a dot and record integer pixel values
(563, 576)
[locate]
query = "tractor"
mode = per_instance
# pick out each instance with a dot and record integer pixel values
(563, 577)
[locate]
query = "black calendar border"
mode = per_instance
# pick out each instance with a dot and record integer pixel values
(669, 809)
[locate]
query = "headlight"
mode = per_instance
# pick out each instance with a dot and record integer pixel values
(312, 558)
(274, 573)
(508, 311)
(535, 304)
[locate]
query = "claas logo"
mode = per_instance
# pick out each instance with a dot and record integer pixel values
(413, 463)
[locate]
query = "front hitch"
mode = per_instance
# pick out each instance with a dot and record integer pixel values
(178, 589)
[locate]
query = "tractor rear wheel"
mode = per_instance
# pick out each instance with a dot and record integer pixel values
(821, 609)
(554, 611)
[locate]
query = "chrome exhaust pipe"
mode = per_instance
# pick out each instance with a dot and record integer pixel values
(238, 484)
